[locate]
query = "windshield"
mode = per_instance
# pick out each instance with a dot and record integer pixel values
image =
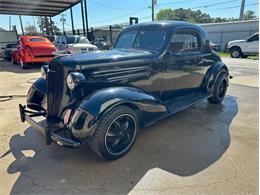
(142, 40)
(70, 39)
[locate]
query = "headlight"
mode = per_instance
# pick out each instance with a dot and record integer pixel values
(44, 71)
(74, 79)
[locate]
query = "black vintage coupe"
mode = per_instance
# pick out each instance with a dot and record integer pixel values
(153, 71)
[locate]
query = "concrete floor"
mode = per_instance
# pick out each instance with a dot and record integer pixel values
(210, 149)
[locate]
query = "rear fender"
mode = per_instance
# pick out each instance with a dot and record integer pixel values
(212, 74)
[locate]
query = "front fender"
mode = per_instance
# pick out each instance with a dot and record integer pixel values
(95, 105)
(102, 100)
(37, 94)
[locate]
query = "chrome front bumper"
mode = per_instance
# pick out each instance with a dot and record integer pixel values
(60, 136)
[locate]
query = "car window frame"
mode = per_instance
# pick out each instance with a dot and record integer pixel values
(188, 53)
(123, 32)
(249, 39)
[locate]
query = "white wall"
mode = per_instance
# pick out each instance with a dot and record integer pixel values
(221, 33)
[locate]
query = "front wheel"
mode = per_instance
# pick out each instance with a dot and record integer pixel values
(115, 133)
(236, 52)
(220, 89)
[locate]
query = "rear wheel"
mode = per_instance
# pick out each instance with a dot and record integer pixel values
(220, 89)
(116, 133)
(24, 65)
(236, 52)
(244, 56)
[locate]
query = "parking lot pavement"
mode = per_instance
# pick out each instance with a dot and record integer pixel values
(204, 149)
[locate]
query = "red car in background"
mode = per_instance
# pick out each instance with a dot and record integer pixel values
(33, 49)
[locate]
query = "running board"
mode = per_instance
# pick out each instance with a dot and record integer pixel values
(181, 103)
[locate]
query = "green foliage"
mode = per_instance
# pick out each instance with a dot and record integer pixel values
(197, 16)
(30, 29)
(45, 25)
(250, 15)
(184, 15)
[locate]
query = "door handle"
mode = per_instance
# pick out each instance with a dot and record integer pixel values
(179, 54)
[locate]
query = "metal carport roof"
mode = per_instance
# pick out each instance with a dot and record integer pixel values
(35, 7)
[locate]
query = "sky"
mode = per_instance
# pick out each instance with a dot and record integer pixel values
(108, 12)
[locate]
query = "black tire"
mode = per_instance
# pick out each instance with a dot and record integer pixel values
(116, 133)
(220, 89)
(236, 52)
(13, 61)
(244, 56)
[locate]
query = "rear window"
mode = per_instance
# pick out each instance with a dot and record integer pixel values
(37, 40)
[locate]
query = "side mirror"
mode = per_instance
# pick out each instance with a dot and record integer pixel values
(2, 48)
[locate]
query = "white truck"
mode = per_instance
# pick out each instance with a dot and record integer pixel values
(244, 48)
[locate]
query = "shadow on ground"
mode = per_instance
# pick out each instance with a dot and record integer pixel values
(184, 144)
(6, 66)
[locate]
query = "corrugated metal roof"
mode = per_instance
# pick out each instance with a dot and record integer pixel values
(35, 7)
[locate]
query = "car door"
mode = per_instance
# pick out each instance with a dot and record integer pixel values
(183, 72)
(252, 44)
(63, 44)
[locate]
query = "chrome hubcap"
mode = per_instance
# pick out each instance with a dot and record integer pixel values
(120, 134)
(235, 53)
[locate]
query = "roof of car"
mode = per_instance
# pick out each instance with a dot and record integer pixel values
(165, 24)
(11, 44)
(27, 38)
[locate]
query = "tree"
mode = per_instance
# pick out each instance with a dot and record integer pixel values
(250, 15)
(183, 15)
(197, 16)
(45, 26)
(30, 29)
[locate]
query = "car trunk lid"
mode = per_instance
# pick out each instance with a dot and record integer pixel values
(45, 49)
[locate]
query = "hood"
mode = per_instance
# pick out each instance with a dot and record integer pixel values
(236, 41)
(103, 57)
(82, 45)
(42, 49)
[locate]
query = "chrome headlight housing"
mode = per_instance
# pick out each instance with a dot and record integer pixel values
(44, 71)
(74, 79)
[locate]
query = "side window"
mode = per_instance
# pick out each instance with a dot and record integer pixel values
(253, 38)
(185, 41)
